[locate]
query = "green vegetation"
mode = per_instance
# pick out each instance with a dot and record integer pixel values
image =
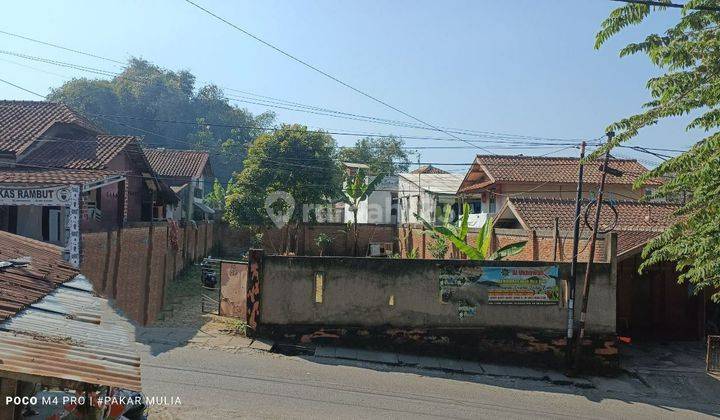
(689, 55)
(458, 235)
(323, 242)
(384, 155)
(143, 95)
(355, 190)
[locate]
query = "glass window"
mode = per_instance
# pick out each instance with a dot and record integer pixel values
(492, 201)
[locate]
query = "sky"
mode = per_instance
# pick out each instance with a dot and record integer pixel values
(522, 67)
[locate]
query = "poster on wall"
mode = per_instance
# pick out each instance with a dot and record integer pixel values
(474, 286)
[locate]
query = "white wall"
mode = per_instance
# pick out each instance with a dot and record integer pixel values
(378, 207)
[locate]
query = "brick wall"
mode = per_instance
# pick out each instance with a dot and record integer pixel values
(134, 265)
(235, 241)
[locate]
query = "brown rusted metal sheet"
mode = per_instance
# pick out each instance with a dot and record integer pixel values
(70, 338)
(233, 289)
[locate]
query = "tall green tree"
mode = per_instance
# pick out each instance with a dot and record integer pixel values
(689, 55)
(386, 155)
(143, 95)
(292, 160)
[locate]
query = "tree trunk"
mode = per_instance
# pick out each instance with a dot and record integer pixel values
(355, 233)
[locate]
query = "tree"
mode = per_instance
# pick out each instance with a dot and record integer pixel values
(458, 236)
(384, 155)
(144, 97)
(291, 160)
(355, 190)
(689, 54)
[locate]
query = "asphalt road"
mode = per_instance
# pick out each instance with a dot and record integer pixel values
(215, 384)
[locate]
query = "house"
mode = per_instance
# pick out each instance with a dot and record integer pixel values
(55, 332)
(649, 305)
(381, 205)
(59, 174)
(189, 174)
(491, 179)
(427, 193)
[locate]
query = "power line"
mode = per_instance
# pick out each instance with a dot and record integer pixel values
(671, 5)
(328, 75)
(61, 47)
(305, 108)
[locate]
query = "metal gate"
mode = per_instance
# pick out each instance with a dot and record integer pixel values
(209, 277)
(713, 353)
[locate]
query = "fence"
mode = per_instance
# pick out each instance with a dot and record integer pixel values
(134, 265)
(303, 238)
(713, 353)
(479, 308)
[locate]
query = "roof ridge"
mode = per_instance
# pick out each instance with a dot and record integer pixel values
(530, 157)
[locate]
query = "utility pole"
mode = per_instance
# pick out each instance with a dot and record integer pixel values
(591, 257)
(573, 265)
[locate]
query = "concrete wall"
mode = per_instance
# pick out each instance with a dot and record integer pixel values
(357, 292)
(134, 265)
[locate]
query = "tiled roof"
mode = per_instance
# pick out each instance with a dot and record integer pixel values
(34, 176)
(178, 163)
(428, 169)
(487, 170)
(637, 222)
(21, 122)
(90, 153)
(20, 287)
(540, 213)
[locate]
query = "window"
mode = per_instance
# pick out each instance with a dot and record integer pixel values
(492, 205)
(475, 207)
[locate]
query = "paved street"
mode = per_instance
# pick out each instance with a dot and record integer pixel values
(256, 384)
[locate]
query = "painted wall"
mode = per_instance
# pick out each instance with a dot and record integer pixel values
(359, 291)
(378, 207)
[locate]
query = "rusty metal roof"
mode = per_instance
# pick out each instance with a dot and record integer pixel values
(70, 338)
(21, 286)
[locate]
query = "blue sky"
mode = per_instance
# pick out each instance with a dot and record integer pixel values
(525, 67)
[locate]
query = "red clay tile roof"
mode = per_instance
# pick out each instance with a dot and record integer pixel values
(540, 213)
(89, 153)
(179, 163)
(21, 122)
(637, 222)
(20, 287)
(487, 169)
(429, 169)
(35, 176)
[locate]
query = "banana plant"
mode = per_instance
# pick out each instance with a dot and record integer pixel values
(355, 190)
(458, 236)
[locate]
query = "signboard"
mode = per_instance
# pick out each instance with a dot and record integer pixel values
(472, 286)
(34, 196)
(67, 196)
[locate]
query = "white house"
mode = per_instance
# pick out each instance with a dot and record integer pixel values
(426, 194)
(381, 206)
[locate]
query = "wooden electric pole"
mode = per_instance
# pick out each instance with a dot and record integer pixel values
(573, 265)
(591, 257)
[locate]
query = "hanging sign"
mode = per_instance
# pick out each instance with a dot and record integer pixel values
(34, 196)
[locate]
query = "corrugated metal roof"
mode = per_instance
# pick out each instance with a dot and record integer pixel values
(71, 336)
(436, 183)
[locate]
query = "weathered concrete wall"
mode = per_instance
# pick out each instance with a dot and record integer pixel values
(357, 292)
